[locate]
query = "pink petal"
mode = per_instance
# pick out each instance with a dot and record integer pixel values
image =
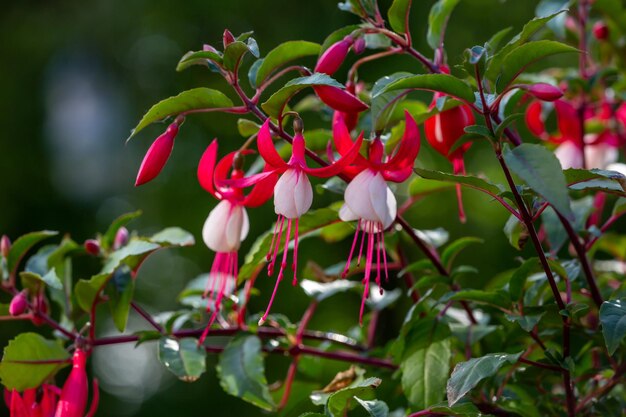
(261, 192)
(339, 99)
(341, 164)
(267, 149)
(409, 146)
(206, 168)
(534, 119)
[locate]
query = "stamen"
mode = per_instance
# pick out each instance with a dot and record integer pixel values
(283, 264)
(354, 241)
(368, 269)
(269, 252)
(377, 243)
(364, 228)
(270, 267)
(382, 242)
(294, 265)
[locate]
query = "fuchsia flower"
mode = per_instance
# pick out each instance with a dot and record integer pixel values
(293, 194)
(227, 224)
(368, 198)
(71, 401)
(158, 154)
(593, 150)
(329, 63)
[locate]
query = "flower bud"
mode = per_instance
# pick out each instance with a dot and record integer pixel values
(40, 305)
(338, 99)
(208, 48)
(19, 303)
(359, 45)
(333, 57)
(600, 31)
(92, 246)
(227, 38)
(157, 155)
(544, 91)
(121, 238)
(5, 246)
(73, 399)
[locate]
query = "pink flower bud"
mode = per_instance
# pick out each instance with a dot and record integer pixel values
(5, 246)
(208, 48)
(157, 155)
(121, 238)
(227, 38)
(19, 303)
(338, 99)
(92, 246)
(600, 31)
(40, 305)
(545, 92)
(73, 399)
(359, 45)
(333, 57)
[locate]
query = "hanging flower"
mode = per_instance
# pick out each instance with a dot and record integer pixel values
(227, 224)
(26, 405)
(293, 194)
(443, 131)
(369, 199)
(573, 149)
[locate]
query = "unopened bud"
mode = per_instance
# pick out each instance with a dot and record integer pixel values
(333, 57)
(298, 125)
(544, 91)
(208, 48)
(5, 246)
(92, 246)
(600, 31)
(157, 155)
(359, 45)
(227, 38)
(19, 303)
(121, 238)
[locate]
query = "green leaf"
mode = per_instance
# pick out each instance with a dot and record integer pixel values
(443, 83)
(497, 298)
(321, 291)
(197, 98)
(109, 237)
(131, 255)
(341, 401)
(495, 63)
(542, 172)
(506, 123)
(521, 57)
(235, 51)
(466, 375)
(613, 319)
(22, 245)
(526, 322)
(374, 408)
(467, 180)
(242, 373)
(398, 15)
(516, 232)
(198, 58)
(183, 357)
(494, 42)
(438, 20)
(518, 279)
(421, 186)
(595, 180)
(19, 369)
(173, 236)
(454, 248)
(309, 222)
(383, 104)
(247, 127)
(283, 54)
(277, 102)
(464, 409)
(120, 289)
(86, 291)
(425, 372)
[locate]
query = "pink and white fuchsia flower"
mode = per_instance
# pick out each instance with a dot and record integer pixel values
(227, 224)
(293, 194)
(368, 198)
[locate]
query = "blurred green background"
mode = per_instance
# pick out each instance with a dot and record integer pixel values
(76, 77)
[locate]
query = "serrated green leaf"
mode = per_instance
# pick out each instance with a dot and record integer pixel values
(613, 319)
(22, 245)
(282, 54)
(19, 369)
(521, 57)
(425, 372)
(242, 373)
(542, 172)
(466, 375)
(277, 102)
(198, 58)
(398, 15)
(197, 98)
(443, 83)
(183, 357)
(438, 20)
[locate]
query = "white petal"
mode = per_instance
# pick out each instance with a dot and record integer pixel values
(379, 197)
(234, 227)
(392, 209)
(245, 228)
(569, 155)
(599, 156)
(303, 194)
(346, 215)
(213, 231)
(357, 196)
